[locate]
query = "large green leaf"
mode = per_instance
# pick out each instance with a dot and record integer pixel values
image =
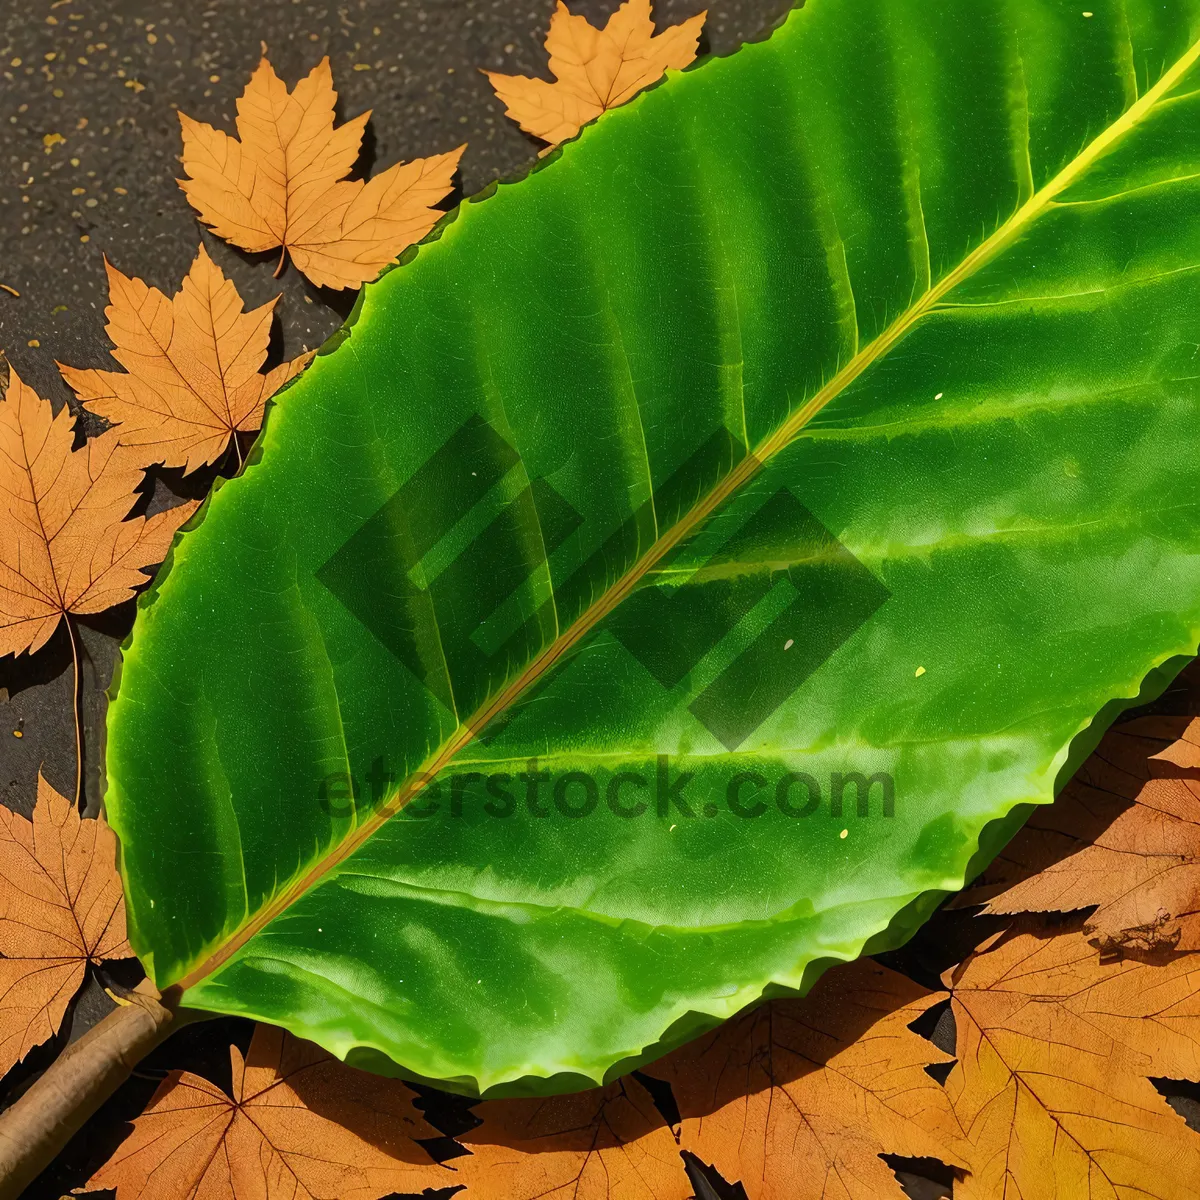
(833, 407)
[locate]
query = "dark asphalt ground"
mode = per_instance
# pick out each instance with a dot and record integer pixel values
(108, 79)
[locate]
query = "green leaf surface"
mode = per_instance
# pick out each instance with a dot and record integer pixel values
(829, 416)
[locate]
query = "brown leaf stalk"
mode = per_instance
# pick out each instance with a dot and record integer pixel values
(35, 1129)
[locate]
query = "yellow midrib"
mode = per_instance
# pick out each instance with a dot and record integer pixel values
(998, 241)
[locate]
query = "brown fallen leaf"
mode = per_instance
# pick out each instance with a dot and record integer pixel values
(604, 1144)
(1055, 1047)
(1123, 836)
(300, 1126)
(282, 182)
(193, 364)
(595, 69)
(65, 546)
(797, 1099)
(61, 907)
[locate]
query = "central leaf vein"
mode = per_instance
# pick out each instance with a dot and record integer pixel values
(988, 249)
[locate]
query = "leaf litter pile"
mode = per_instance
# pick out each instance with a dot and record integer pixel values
(1056, 1055)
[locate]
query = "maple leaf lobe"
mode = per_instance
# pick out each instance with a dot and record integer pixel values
(281, 182)
(65, 544)
(803, 1096)
(192, 364)
(605, 1143)
(1055, 1050)
(595, 69)
(1123, 838)
(61, 907)
(299, 1126)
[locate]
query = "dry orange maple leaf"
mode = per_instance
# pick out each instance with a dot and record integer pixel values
(595, 69)
(193, 364)
(797, 1099)
(300, 1126)
(607, 1143)
(1123, 836)
(282, 182)
(65, 546)
(1055, 1047)
(61, 907)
